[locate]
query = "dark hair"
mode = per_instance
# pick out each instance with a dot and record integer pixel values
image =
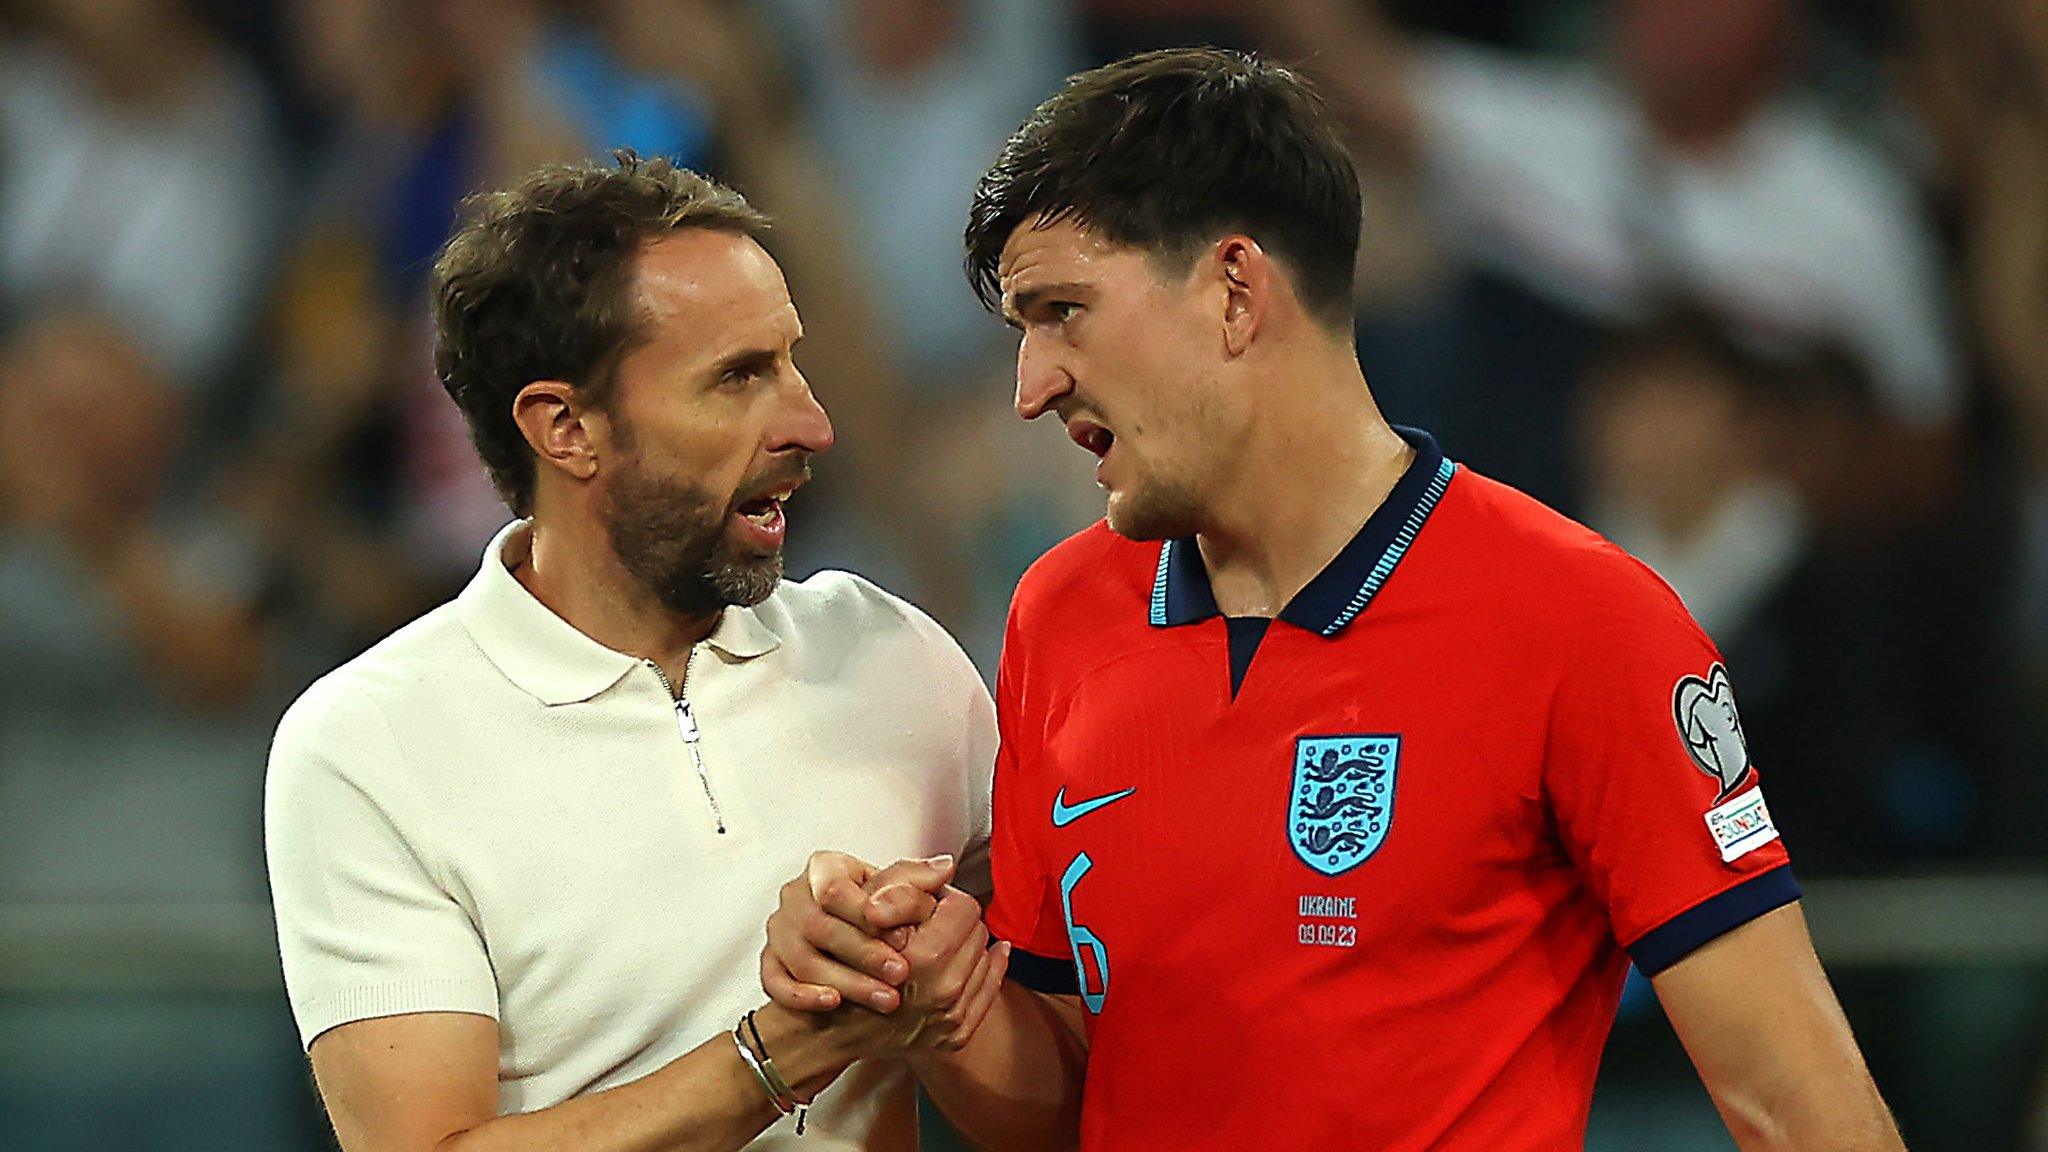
(1169, 150)
(536, 286)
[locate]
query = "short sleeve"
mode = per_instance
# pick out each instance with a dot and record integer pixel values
(1649, 778)
(981, 741)
(364, 927)
(1025, 908)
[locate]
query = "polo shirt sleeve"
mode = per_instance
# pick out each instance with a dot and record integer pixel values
(365, 927)
(973, 874)
(1025, 908)
(1648, 777)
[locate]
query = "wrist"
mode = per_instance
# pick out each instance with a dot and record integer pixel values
(804, 1045)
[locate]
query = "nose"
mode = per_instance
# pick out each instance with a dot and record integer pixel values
(802, 425)
(1041, 381)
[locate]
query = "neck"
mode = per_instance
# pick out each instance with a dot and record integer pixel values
(571, 568)
(1318, 462)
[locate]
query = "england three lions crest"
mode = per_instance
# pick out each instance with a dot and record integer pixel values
(1342, 802)
(1705, 711)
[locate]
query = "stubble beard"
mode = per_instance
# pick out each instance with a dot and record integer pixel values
(1155, 510)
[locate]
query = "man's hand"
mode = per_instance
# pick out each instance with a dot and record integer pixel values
(898, 942)
(944, 1002)
(824, 949)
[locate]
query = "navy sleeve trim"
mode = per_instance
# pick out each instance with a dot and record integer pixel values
(1044, 974)
(1679, 936)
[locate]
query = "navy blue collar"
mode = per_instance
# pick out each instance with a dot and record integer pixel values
(1180, 589)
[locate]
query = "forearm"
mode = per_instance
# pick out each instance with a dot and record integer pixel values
(1015, 1087)
(1757, 1016)
(1853, 1119)
(706, 1100)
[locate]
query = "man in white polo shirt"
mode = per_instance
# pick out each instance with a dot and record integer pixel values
(521, 850)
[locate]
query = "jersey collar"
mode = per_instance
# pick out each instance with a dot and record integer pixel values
(1180, 587)
(544, 654)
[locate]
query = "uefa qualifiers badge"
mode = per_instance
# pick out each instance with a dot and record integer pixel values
(1707, 722)
(1342, 800)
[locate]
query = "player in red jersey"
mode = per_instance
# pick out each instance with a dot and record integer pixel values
(1338, 784)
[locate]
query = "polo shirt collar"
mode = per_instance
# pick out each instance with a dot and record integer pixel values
(1181, 592)
(545, 655)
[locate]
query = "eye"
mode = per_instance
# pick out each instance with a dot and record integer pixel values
(744, 373)
(1064, 310)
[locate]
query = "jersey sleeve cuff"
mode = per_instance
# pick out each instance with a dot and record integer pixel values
(1678, 937)
(1044, 974)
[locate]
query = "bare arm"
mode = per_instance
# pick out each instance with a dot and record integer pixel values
(1016, 1086)
(428, 1082)
(1761, 1023)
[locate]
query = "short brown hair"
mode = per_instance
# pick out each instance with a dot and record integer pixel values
(535, 286)
(1169, 150)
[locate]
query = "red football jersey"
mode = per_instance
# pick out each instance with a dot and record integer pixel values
(1370, 876)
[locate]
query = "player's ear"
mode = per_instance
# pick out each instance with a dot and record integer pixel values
(1248, 282)
(559, 426)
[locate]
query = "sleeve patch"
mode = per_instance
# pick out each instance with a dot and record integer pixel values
(1705, 712)
(1742, 825)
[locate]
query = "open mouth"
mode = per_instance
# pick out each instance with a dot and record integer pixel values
(763, 514)
(1090, 435)
(764, 511)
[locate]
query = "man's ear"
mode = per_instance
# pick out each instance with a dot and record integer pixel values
(562, 430)
(1248, 282)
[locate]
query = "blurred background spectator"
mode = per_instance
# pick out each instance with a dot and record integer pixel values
(1758, 288)
(142, 176)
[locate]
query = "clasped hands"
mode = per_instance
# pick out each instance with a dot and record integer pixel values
(895, 959)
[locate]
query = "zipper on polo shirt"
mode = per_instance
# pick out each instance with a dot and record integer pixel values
(686, 724)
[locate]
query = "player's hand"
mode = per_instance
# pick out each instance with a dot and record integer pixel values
(954, 980)
(823, 947)
(955, 975)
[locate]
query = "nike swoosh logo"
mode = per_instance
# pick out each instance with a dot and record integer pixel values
(1064, 814)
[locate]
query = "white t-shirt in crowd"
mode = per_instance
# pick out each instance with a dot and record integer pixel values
(1546, 172)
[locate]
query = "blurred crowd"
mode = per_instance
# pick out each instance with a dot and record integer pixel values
(1757, 288)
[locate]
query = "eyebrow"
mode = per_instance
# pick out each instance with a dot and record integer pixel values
(755, 354)
(1021, 302)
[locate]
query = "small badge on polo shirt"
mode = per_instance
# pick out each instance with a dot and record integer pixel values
(1742, 825)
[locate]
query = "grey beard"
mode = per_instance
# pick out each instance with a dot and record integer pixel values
(670, 536)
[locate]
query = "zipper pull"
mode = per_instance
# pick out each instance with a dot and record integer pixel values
(686, 722)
